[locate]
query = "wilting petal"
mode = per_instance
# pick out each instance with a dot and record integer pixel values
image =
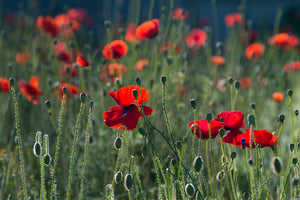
(147, 110)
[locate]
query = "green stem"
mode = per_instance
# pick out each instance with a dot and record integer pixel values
(60, 119)
(20, 146)
(235, 97)
(73, 151)
(138, 179)
(42, 193)
(208, 170)
(212, 156)
(87, 137)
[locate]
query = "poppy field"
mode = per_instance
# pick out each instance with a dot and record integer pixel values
(157, 107)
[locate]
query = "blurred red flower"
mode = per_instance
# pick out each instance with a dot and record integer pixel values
(72, 90)
(130, 34)
(4, 84)
(233, 19)
(30, 90)
(232, 119)
(196, 38)
(169, 46)
(23, 58)
(80, 60)
(262, 137)
(202, 125)
(112, 71)
(127, 113)
(115, 50)
(72, 70)
(292, 66)
(139, 66)
(148, 29)
(217, 60)
(245, 82)
(254, 51)
(284, 41)
(277, 96)
(48, 25)
(180, 14)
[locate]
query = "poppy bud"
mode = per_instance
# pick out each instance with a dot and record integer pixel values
(174, 162)
(198, 163)
(118, 143)
(37, 145)
(50, 81)
(48, 104)
(64, 90)
(169, 61)
(70, 23)
(193, 103)
(163, 79)
(220, 176)
(118, 177)
(281, 117)
(135, 93)
(11, 82)
(243, 142)
(91, 103)
(276, 165)
(142, 131)
(296, 112)
(222, 119)
(230, 80)
(222, 132)
(208, 117)
(250, 161)
(295, 181)
(72, 44)
(251, 119)
(82, 97)
(190, 190)
(246, 195)
(233, 155)
(54, 41)
(144, 150)
(258, 145)
(138, 81)
(294, 160)
(164, 9)
(107, 23)
(68, 70)
(237, 84)
(253, 106)
(128, 182)
(290, 92)
(292, 146)
(47, 159)
(179, 144)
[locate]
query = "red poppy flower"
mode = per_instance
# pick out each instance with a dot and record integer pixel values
(77, 14)
(277, 96)
(231, 136)
(245, 82)
(23, 58)
(262, 137)
(4, 84)
(80, 60)
(139, 66)
(148, 29)
(232, 119)
(254, 51)
(169, 46)
(31, 90)
(66, 67)
(284, 41)
(113, 71)
(180, 14)
(115, 50)
(49, 25)
(130, 34)
(217, 60)
(292, 66)
(203, 127)
(196, 38)
(233, 19)
(127, 113)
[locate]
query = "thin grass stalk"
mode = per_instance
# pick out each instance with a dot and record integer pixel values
(235, 97)
(74, 150)
(162, 174)
(138, 179)
(85, 154)
(158, 180)
(60, 119)
(20, 145)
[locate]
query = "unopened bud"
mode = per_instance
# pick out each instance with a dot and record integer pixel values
(294, 160)
(118, 177)
(253, 106)
(190, 190)
(64, 90)
(197, 163)
(292, 146)
(230, 80)
(128, 182)
(48, 104)
(290, 92)
(118, 143)
(281, 117)
(237, 84)
(142, 131)
(11, 82)
(163, 80)
(47, 159)
(107, 23)
(233, 155)
(138, 81)
(82, 97)
(276, 165)
(193, 103)
(208, 117)
(135, 93)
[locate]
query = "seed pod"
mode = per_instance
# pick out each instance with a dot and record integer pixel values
(47, 159)
(118, 143)
(128, 182)
(198, 163)
(190, 190)
(276, 165)
(118, 177)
